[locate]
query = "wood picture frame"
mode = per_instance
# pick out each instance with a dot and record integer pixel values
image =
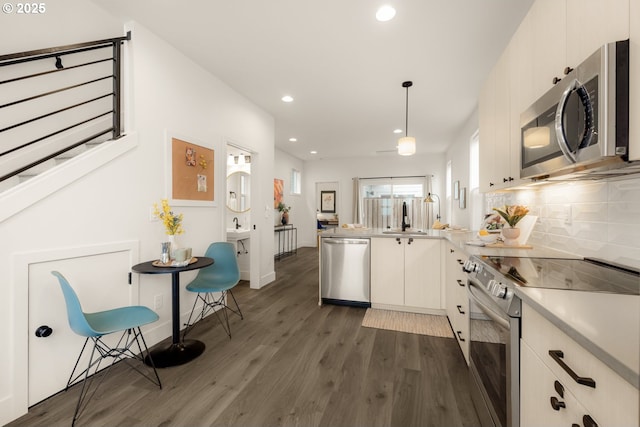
(190, 167)
(328, 201)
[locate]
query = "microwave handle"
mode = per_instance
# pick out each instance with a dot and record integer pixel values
(560, 135)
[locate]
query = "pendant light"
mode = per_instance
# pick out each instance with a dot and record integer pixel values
(407, 144)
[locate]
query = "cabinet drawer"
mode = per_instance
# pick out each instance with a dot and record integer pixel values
(545, 401)
(613, 401)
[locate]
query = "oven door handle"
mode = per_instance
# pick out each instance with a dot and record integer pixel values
(493, 314)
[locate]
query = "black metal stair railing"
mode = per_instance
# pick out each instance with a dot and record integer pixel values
(48, 108)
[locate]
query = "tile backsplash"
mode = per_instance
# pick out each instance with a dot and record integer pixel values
(597, 219)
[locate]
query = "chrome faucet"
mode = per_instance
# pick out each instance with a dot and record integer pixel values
(235, 219)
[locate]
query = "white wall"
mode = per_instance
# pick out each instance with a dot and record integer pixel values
(344, 170)
(458, 155)
(165, 90)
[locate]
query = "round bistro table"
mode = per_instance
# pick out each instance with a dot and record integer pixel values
(180, 351)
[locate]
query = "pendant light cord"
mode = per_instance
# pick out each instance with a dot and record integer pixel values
(406, 116)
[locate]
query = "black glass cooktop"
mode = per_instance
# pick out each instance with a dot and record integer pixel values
(570, 274)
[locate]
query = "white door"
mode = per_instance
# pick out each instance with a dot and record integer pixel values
(101, 282)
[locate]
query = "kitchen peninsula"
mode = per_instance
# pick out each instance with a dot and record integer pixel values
(598, 332)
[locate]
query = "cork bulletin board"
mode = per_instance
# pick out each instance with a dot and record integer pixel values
(191, 172)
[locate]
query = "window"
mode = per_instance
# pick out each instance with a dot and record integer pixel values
(381, 202)
(296, 185)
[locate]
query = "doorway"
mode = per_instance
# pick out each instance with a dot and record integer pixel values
(327, 205)
(238, 221)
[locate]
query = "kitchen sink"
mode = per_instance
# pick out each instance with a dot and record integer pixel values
(407, 231)
(238, 234)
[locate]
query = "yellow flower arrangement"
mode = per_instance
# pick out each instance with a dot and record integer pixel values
(512, 214)
(172, 222)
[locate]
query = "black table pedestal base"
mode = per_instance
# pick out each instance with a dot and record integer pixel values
(176, 354)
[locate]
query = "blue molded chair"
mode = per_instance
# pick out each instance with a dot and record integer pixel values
(214, 283)
(94, 326)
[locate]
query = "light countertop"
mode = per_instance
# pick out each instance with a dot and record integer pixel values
(608, 325)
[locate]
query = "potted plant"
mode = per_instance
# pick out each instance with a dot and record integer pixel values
(512, 215)
(284, 209)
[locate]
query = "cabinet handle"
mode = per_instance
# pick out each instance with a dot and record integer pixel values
(505, 180)
(451, 251)
(491, 184)
(556, 404)
(587, 421)
(459, 337)
(557, 355)
(460, 309)
(559, 388)
(410, 240)
(398, 240)
(567, 70)
(556, 80)
(460, 261)
(460, 282)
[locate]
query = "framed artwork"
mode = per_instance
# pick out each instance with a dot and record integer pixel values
(190, 167)
(456, 190)
(463, 198)
(328, 201)
(278, 192)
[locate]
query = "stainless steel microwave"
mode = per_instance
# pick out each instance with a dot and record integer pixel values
(581, 125)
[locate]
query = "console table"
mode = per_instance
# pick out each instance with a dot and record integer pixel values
(287, 236)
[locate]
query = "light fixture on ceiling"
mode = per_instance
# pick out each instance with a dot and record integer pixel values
(287, 98)
(293, 139)
(407, 144)
(385, 13)
(429, 199)
(397, 131)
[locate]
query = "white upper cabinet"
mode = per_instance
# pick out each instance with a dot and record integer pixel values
(554, 37)
(548, 26)
(487, 133)
(593, 23)
(634, 83)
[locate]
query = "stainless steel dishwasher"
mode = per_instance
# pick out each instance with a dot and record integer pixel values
(345, 271)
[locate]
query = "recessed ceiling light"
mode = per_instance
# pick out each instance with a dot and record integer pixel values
(313, 152)
(385, 13)
(287, 98)
(397, 131)
(293, 139)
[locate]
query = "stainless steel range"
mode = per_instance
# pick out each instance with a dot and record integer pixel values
(495, 311)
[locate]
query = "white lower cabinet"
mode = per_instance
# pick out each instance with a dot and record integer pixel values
(545, 401)
(457, 300)
(592, 392)
(405, 274)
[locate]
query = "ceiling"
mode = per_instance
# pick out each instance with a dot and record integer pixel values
(343, 68)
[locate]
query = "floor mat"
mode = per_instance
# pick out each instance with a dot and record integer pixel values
(414, 323)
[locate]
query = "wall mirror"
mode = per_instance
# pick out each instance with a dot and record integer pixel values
(238, 194)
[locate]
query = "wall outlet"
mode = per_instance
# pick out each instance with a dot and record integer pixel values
(158, 302)
(152, 217)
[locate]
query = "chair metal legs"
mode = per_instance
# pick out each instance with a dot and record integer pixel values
(217, 305)
(99, 352)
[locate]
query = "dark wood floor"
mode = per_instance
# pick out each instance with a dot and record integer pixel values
(289, 363)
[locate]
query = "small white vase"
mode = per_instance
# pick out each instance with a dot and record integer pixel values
(174, 245)
(511, 236)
